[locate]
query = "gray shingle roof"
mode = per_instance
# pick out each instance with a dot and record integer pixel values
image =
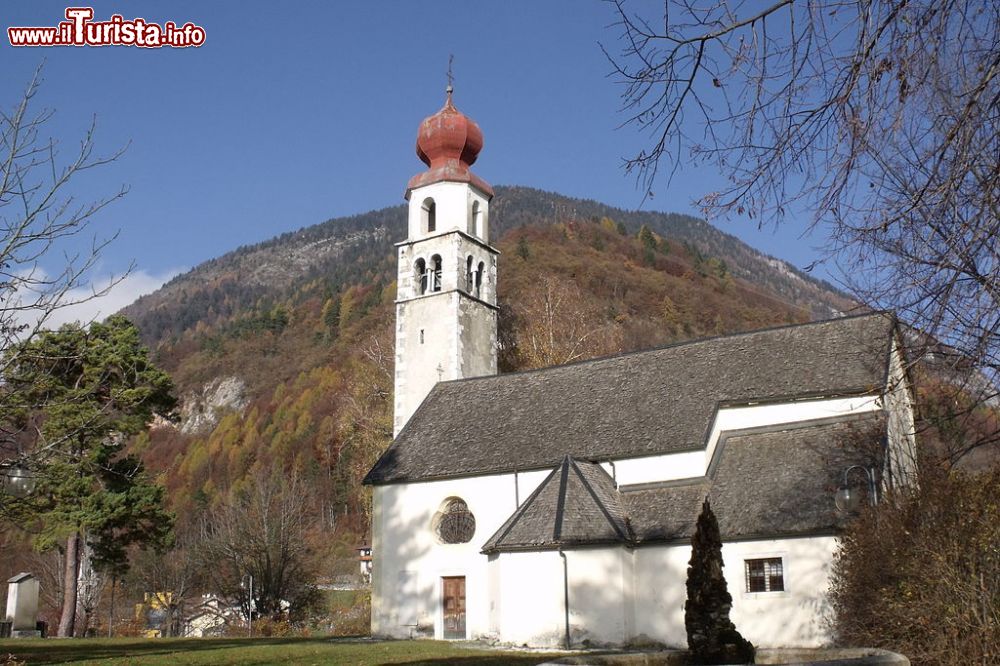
(576, 504)
(644, 403)
(764, 483)
(769, 482)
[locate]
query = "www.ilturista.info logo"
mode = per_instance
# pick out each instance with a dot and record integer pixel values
(81, 30)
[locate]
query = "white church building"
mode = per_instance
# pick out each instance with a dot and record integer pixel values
(540, 506)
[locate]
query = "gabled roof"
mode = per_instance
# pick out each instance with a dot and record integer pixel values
(576, 504)
(768, 482)
(763, 483)
(644, 403)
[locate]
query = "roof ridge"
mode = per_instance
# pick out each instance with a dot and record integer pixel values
(561, 501)
(673, 345)
(519, 511)
(597, 500)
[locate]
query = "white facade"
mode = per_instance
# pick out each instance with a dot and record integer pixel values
(792, 618)
(617, 595)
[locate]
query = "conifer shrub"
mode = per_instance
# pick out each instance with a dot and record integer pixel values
(712, 637)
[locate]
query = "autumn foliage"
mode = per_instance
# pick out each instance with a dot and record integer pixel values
(319, 362)
(921, 575)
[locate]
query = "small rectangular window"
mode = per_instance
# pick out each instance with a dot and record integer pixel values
(765, 575)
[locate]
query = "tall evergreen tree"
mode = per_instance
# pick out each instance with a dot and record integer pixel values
(712, 637)
(523, 250)
(79, 394)
(331, 314)
(647, 238)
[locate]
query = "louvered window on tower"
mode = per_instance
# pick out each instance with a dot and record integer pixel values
(420, 274)
(765, 575)
(436, 273)
(454, 523)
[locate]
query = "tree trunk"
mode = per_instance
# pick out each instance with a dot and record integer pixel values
(71, 576)
(111, 611)
(85, 629)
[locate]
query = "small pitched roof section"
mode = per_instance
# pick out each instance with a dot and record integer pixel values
(764, 483)
(577, 504)
(639, 404)
(20, 578)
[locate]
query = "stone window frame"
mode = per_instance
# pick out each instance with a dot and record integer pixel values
(454, 523)
(766, 575)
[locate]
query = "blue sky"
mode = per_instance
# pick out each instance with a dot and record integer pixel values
(293, 113)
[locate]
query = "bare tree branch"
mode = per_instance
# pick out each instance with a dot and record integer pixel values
(878, 120)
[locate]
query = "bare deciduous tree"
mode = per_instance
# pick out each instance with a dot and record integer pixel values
(46, 257)
(261, 532)
(171, 578)
(880, 120)
(558, 324)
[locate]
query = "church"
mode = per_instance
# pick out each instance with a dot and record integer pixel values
(555, 507)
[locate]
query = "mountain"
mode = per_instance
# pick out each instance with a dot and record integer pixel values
(330, 251)
(283, 350)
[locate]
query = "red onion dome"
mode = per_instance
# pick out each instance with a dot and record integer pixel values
(449, 143)
(449, 136)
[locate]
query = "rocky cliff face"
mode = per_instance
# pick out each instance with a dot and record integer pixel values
(201, 410)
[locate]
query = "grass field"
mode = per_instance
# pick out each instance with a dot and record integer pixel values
(246, 651)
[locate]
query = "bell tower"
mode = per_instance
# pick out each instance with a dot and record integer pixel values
(446, 311)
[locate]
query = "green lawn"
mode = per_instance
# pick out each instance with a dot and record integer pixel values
(285, 651)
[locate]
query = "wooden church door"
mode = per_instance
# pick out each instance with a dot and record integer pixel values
(453, 603)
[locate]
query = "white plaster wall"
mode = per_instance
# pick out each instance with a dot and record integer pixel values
(597, 597)
(409, 562)
(453, 202)
(794, 618)
(495, 587)
(530, 606)
(532, 596)
(660, 575)
(422, 364)
(439, 337)
(649, 469)
(901, 429)
(476, 339)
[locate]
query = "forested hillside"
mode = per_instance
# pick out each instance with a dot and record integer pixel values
(283, 351)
